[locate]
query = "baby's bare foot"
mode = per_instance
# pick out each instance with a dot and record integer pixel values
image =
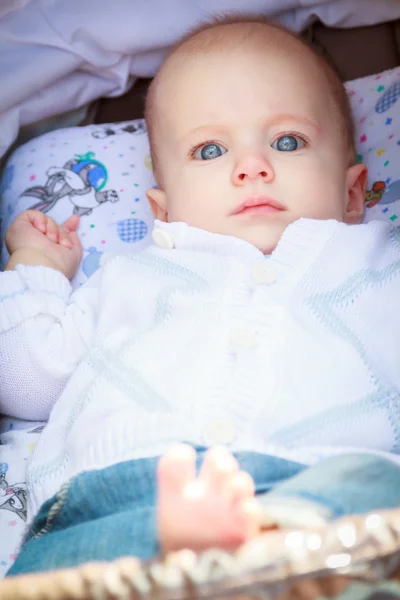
(215, 509)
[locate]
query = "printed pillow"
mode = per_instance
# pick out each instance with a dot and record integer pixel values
(100, 172)
(376, 107)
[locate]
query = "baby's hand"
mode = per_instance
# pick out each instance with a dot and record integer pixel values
(60, 244)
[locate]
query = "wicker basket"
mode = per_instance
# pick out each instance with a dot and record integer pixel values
(357, 558)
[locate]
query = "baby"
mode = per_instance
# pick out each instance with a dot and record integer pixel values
(259, 324)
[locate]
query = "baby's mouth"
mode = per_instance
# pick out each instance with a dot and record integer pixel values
(261, 205)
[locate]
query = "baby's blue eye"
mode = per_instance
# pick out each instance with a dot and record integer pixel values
(288, 143)
(209, 151)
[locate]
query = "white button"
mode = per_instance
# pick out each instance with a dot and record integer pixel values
(263, 273)
(243, 340)
(162, 238)
(219, 431)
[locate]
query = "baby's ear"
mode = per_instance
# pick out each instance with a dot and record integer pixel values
(158, 203)
(356, 187)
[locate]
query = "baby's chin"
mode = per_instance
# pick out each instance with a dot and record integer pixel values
(266, 247)
(264, 236)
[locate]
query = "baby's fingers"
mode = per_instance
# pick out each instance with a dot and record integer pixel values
(64, 238)
(73, 237)
(52, 230)
(70, 239)
(44, 224)
(39, 221)
(67, 230)
(72, 223)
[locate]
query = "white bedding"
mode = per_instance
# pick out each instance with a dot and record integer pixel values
(57, 55)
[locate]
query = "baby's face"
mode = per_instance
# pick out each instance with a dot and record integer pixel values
(248, 143)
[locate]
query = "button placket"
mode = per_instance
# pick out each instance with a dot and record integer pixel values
(243, 339)
(219, 431)
(262, 272)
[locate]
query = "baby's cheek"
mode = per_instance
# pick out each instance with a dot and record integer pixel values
(180, 206)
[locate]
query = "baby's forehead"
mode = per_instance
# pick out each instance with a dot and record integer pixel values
(220, 48)
(266, 71)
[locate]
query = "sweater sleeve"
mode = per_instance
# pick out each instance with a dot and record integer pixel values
(45, 329)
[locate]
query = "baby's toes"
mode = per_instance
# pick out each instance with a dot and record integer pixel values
(249, 516)
(239, 524)
(176, 469)
(242, 486)
(218, 470)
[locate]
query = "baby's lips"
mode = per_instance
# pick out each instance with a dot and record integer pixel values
(258, 201)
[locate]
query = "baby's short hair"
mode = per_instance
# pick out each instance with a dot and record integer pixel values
(210, 37)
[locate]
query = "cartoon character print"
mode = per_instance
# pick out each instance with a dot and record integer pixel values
(81, 180)
(374, 195)
(382, 193)
(134, 128)
(12, 497)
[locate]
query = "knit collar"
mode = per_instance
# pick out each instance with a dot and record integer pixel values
(185, 237)
(300, 244)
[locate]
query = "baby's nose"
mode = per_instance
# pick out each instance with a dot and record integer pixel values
(252, 168)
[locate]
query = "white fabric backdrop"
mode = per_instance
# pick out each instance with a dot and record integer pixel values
(57, 55)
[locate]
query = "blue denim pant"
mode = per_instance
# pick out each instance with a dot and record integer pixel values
(109, 513)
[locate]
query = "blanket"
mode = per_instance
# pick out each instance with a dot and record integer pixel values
(58, 56)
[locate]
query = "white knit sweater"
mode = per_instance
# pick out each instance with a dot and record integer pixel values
(296, 354)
